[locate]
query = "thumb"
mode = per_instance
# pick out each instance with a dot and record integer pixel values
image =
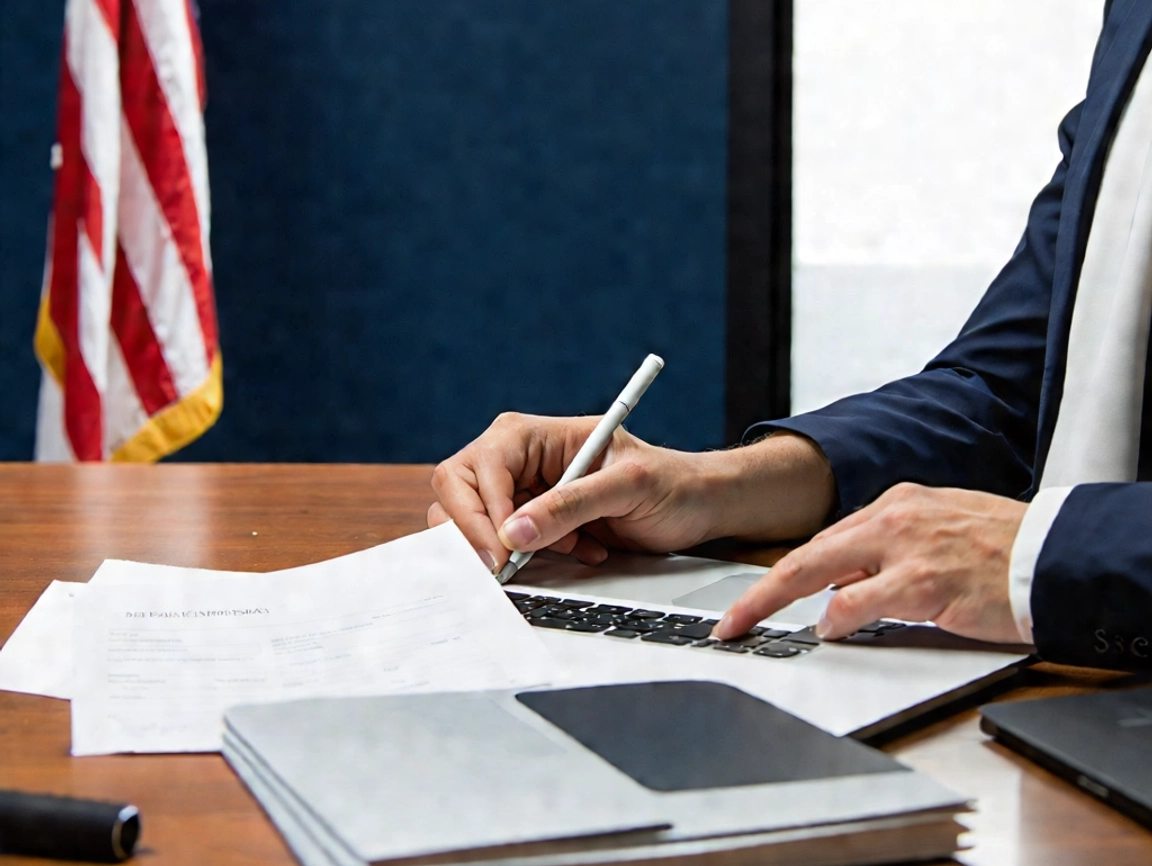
(612, 491)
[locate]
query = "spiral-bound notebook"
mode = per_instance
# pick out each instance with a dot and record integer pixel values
(604, 774)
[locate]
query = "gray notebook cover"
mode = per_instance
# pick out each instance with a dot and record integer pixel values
(375, 779)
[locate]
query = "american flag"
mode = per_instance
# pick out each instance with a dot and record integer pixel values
(126, 333)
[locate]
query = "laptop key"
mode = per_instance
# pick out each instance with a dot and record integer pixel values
(546, 610)
(640, 613)
(666, 637)
(607, 619)
(549, 622)
(774, 633)
(708, 641)
(778, 651)
(682, 618)
(729, 647)
(642, 625)
(577, 625)
(622, 632)
(610, 608)
(515, 596)
(575, 603)
(553, 612)
(696, 631)
(804, 636)
(752, 641)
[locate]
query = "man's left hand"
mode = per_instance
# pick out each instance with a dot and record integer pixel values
(916, 553)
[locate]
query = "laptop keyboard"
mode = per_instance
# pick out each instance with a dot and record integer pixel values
(671, 629)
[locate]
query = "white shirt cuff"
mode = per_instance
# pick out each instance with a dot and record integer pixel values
(1030, 538)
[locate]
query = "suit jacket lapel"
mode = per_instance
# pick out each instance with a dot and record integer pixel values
(1124, 46)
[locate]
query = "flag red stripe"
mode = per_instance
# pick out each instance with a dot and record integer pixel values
(138, 343)
(197, 53)
(162, 153)
(82, 418)
(93, 209)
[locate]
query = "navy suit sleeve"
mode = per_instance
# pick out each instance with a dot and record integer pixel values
(1092, 588)
(969, 419)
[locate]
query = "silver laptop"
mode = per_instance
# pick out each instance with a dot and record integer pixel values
(881, 677)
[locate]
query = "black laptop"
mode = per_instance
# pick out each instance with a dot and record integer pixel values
(1101, 742)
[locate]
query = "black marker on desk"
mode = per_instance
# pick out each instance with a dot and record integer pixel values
(62, 827)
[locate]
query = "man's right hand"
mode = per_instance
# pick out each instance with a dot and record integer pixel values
(499, 490)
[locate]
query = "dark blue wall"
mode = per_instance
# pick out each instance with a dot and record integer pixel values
(29, 59)
(425, 212)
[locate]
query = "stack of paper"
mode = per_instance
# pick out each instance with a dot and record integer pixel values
(158, 653)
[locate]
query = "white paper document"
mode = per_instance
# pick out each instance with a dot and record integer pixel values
(157, 664)
(37, 658)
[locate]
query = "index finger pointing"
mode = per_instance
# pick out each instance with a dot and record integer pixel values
(841, 559)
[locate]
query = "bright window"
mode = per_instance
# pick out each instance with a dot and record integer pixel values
(922, 132)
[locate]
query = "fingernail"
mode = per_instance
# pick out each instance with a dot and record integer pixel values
(596, 557)
(488, 559)
(520, 532)
(722, 628)
(823, 627)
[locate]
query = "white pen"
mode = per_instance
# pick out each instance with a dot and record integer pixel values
(597, 442)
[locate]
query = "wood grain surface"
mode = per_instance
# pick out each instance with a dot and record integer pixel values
(60, 522)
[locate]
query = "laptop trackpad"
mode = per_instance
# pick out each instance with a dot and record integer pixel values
(722, 594)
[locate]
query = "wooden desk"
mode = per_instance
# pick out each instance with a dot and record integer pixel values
(59, 523)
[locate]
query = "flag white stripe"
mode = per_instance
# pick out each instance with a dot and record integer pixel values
(154, 260)
(94, 62)
(124, 413)
(52, 445)
(165, 27)
(95, 312)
